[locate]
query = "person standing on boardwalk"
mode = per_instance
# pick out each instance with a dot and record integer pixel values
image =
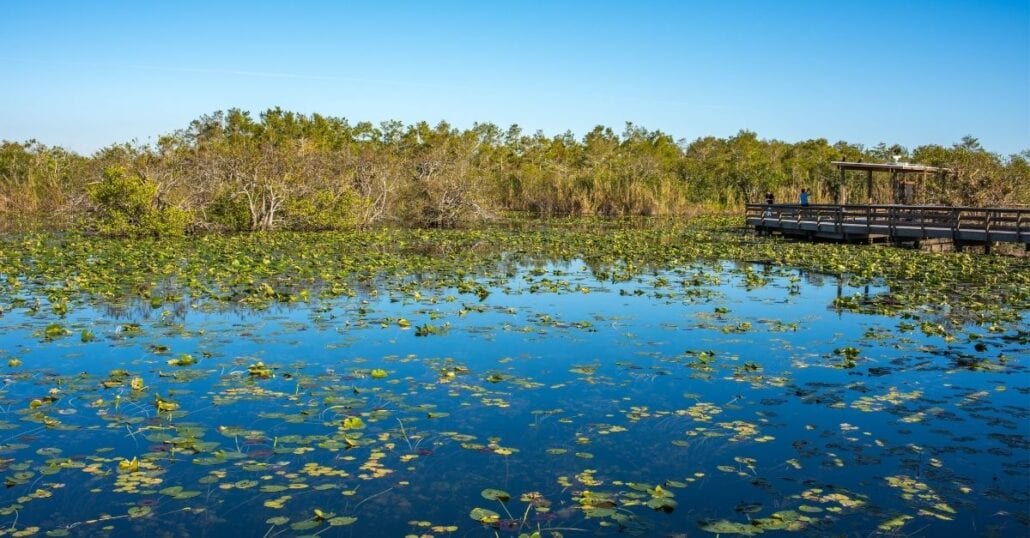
(804, 197)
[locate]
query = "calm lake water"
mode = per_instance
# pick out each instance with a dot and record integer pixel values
(686, 400)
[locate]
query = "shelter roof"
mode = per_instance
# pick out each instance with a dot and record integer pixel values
(889, 167)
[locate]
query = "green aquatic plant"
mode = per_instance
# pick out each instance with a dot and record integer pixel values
(183, 360)
(258, 370)
(427, 329)
(849, 356)
(54, 331)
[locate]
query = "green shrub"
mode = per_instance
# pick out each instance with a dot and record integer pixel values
(325, 210)
(127, 206)
(229, 212)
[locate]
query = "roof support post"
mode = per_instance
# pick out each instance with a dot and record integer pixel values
(840, 187)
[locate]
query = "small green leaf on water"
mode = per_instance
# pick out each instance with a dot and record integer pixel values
(353, 423)
(484, 516)
(139, 511)
(183, 360)
(492, 494)
(54, 331)
(723, 526)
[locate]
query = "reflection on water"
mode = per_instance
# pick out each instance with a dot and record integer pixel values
(719, 398)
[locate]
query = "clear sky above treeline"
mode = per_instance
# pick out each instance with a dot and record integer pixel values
(86, 74)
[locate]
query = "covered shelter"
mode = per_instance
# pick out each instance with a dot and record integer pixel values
(906, 180)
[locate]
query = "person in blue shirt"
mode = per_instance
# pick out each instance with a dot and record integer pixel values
(804, 197)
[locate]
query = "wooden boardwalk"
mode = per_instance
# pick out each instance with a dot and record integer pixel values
(895, 223)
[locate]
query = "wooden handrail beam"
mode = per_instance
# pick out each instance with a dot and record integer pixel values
(898, 222)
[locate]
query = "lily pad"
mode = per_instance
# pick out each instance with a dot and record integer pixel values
(485, 516)
(492, 494)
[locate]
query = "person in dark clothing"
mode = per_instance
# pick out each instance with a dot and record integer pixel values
(804, 197)
(768, 205)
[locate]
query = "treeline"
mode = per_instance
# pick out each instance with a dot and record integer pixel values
(228, 171)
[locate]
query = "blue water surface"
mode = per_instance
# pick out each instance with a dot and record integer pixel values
(710, 395)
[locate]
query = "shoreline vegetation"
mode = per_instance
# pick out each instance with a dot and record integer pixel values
(60, 272)
(231, 172)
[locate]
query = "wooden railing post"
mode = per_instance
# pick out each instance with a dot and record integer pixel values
(1019, 226)
(956, 222)
(891, 217)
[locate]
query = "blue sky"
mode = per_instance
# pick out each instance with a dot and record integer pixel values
(86, 74)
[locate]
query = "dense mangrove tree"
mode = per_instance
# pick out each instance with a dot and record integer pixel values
(229, 171)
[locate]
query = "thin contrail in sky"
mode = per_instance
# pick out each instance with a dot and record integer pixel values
(599, 95)
(237, 72)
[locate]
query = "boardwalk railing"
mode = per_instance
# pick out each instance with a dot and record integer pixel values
(961, 224)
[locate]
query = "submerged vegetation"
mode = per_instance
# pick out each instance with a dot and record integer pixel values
(282, 170)
(583, 378)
